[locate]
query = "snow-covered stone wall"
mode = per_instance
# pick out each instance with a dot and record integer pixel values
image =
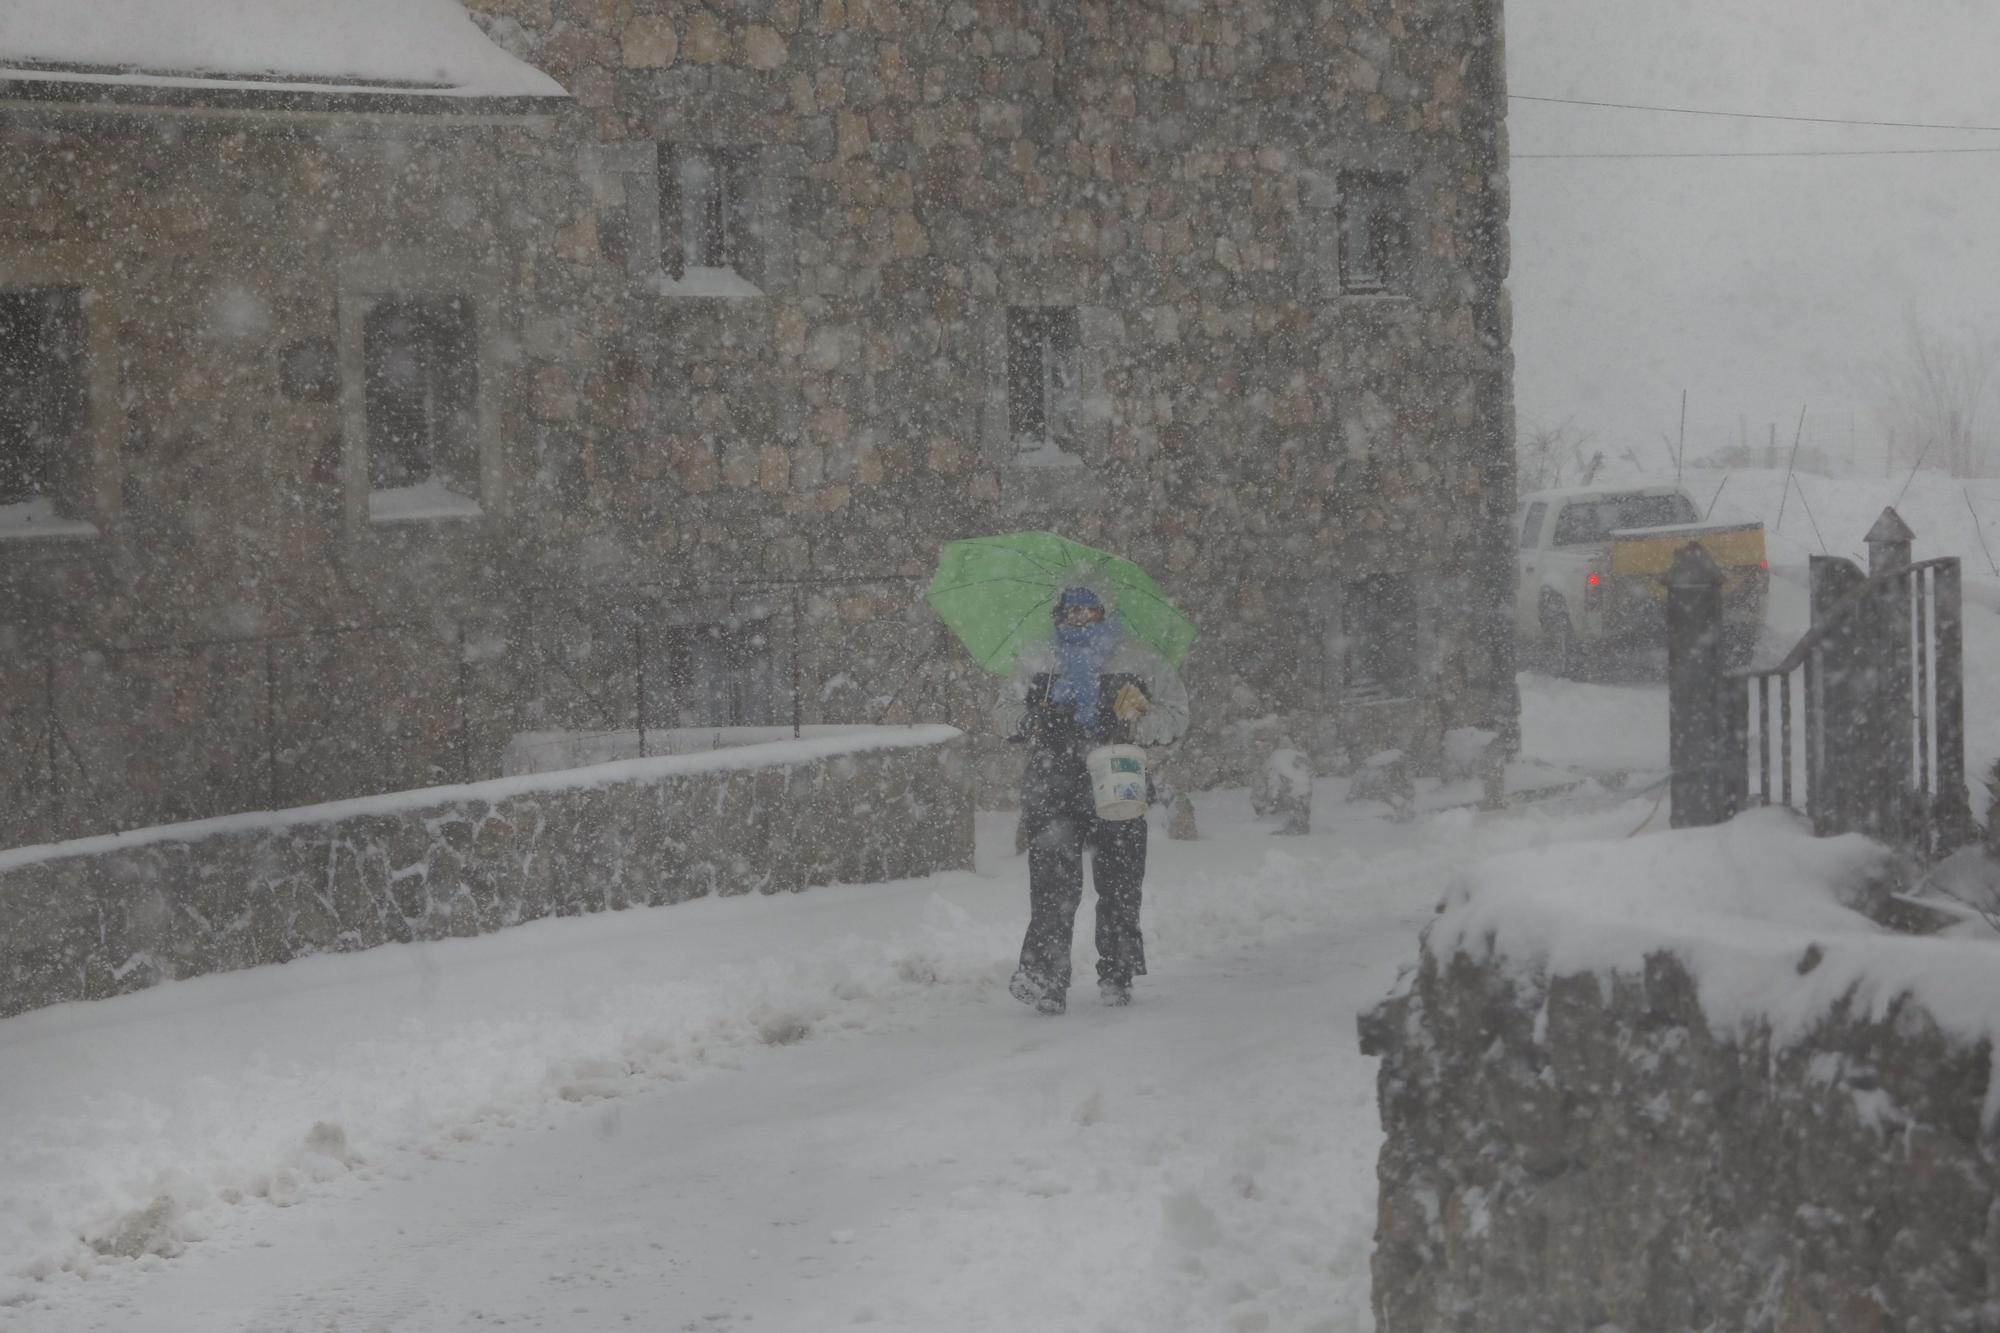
(101, 916)
(1671, 1087)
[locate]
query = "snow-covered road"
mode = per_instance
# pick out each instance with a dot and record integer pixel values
(1174, 1165)
(793, 1113)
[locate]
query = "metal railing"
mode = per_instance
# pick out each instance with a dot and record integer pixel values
(1860, 727)
(1880, 741)
(98, 736)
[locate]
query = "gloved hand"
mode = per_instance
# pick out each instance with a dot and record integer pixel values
(1131, 704)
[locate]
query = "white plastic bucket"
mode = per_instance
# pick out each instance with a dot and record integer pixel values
(1118, 780)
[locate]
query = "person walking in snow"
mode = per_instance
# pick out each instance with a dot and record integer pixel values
(1090, 684)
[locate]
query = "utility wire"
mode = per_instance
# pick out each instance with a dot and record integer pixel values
(1750, 115)
(1802, 152)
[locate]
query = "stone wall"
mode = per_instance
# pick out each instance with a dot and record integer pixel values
(1566, 1153)
(233, 629)
(777, 457)
(107, 915)
(1252, 432)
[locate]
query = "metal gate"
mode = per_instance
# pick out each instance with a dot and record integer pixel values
(1861, 727)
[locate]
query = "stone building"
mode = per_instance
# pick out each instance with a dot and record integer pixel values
(392, 426)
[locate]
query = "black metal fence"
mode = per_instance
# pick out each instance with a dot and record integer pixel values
(98, 736)
(1861, 726)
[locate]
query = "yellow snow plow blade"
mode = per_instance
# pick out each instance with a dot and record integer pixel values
(1644, 555)
(1650, 551)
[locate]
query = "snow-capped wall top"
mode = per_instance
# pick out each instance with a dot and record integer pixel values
(830, 742)
(1755, 910)
(392, 46)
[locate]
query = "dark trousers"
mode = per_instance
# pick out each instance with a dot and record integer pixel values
(1055, 888)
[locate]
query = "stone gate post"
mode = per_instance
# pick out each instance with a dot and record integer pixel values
(1889, 712)
(1699, 736)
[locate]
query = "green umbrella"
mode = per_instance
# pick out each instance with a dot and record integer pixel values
(996, 594)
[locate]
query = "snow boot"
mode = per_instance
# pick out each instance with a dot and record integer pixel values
(1114, 992)
(1043, 998)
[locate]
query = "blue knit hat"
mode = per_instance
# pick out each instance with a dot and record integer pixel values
(1077, 597)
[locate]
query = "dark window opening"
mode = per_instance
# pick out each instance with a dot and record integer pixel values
(1382, 637)
(727, 675)
(1595, 520)
(704, 208)
(1042, 375)
(41, 387)
(421, 386)
(1374, 233)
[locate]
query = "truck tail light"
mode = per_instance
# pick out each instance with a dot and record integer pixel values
(1593, 589)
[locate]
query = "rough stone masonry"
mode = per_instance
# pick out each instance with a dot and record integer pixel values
(105, 916)
(1567, 1154)
(788, 293)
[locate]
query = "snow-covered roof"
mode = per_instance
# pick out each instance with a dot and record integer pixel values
(404, 47)
(1599, 492)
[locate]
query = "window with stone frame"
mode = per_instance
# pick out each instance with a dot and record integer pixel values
(727, 674)
(1381, 624)
(1044, 372)
(1375, 231)
(41, 390)
(421, 391)
(706, 207)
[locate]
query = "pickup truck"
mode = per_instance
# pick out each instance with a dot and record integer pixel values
(1593, 566)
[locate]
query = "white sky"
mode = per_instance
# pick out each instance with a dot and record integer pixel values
(1757, 284)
